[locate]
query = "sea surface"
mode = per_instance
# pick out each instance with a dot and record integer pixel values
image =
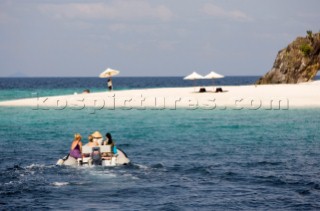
(181, 159)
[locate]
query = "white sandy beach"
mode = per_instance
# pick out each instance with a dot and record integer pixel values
(253, 97)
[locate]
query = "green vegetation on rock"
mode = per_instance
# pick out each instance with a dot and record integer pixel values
(305, 49)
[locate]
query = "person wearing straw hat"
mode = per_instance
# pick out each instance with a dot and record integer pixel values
(97, 137)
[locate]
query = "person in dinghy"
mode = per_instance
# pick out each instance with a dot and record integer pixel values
(76, 147)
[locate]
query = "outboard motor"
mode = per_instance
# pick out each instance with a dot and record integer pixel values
(96, 156)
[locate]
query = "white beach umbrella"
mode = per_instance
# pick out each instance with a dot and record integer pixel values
(108, 73)
(213, 75)
(193, 76)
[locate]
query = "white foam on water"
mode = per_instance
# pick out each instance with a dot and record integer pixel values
(104, 174)
(131, 176)
(9, 183)
(141, 166)
(33, 165)
(60, 183)
(13, 182)
(42, 166)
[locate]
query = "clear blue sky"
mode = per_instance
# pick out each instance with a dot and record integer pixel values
(149, 38)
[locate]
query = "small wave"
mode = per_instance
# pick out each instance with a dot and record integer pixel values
(130, 176)
(15, 167)
(103, 174)
(125, 145)
(60, 183)
(157, 166)
(315, 186)
(204, 170)
(261, 163)
(11, 183)
(304, 192)
(38, 166)
(140, 166)
(230, 173)
(34, 165)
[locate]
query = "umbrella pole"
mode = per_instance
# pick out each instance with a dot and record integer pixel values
(111, 83)
(213, 84)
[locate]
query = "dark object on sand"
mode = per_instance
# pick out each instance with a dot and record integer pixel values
(86, 91)
(219, 89)
(202, 90)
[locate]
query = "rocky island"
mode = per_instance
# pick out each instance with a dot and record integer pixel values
(298, 62)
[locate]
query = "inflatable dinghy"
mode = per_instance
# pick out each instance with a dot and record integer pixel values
(96, 156)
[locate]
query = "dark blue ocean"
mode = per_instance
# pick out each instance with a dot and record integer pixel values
(181, 159)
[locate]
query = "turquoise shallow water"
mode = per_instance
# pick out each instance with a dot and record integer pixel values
(181, 159)
(11, 94)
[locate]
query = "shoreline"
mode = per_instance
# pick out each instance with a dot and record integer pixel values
(253, 97)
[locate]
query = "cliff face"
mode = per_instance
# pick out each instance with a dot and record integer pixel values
(299, 62)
